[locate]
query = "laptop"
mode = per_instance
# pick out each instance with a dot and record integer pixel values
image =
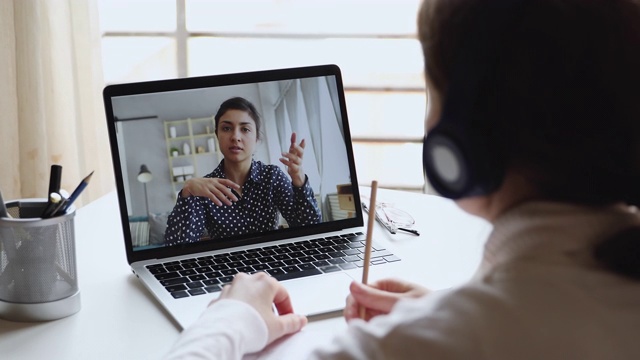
(163, 133)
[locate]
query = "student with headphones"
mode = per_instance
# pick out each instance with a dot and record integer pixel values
(534, 125)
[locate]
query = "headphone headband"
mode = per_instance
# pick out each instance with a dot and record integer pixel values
(458, 157)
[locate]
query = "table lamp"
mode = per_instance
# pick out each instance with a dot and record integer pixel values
(144, 176)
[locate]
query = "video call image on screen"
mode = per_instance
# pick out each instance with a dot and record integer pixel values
(167, 138)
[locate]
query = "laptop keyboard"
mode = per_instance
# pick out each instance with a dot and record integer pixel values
(207, 274)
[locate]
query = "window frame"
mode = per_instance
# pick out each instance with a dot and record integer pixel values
(181, 36)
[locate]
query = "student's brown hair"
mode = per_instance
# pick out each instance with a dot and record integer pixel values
(564, 97)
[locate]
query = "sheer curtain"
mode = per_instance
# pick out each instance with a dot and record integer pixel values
(301, 107)
(52, 112)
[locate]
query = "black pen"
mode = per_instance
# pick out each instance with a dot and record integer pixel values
(53, 204)
(55, 177)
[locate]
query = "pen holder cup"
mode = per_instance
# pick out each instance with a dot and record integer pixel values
(38, 278)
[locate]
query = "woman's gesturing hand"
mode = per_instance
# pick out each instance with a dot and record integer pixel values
(216, 189)
(293, 161)
(262, 292)
(379, 297)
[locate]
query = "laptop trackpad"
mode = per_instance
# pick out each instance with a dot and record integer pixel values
(318, 294)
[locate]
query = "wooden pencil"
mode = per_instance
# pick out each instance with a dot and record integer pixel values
(367, 247)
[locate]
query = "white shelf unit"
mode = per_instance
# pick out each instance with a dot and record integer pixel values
(199, 135)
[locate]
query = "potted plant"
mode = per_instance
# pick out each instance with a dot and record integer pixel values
(174, 151)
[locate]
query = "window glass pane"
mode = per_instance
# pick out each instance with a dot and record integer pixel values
(364, 62)
(392, 165)
(127, 59)
(137, 15)
(386, 114)
(373, 42)
(303, 16)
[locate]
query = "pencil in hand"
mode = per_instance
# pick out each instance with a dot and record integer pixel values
(367, 247)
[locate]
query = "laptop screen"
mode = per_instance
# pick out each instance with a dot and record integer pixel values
(216, 131)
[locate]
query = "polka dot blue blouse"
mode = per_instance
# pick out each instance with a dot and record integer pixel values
(267, 192)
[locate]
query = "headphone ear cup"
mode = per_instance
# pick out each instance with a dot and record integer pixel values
(445, 165)
(456, 168)
(460, 155)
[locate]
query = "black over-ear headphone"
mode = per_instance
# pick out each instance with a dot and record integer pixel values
(458, 156)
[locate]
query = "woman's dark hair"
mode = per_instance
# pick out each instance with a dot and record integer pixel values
(563, 98)
(242, 104)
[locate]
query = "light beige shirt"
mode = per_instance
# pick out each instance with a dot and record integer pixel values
(538, 294)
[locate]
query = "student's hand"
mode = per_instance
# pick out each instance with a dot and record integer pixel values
(216, 189)
(262, 291)
(379, 297)
(293, 161)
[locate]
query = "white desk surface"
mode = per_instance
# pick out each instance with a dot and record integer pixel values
(119, 319)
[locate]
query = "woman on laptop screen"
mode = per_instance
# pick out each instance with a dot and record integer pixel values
(242, 195)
